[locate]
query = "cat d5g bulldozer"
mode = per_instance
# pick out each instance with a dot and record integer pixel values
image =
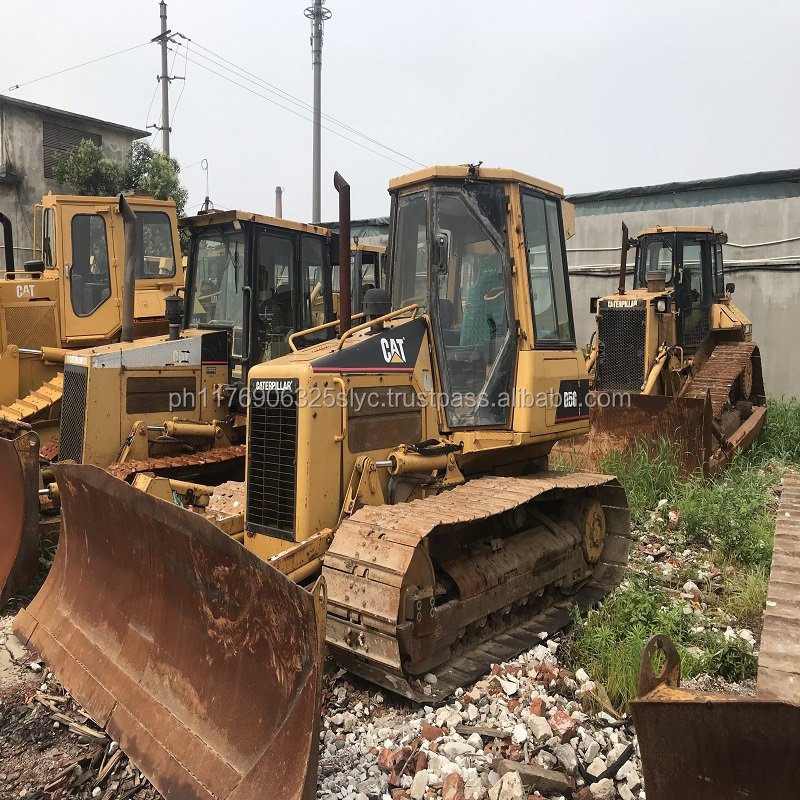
(403, 461)
(673, 357)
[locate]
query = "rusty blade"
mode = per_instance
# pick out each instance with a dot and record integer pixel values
(19, 521)
(716, 747)
(198, 657)
(685, 422)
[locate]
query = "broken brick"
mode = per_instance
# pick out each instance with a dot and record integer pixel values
(563, 725)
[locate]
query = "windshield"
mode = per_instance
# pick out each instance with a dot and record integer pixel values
(656, 256)
(159, 257)
(218, 279)
(410, 278)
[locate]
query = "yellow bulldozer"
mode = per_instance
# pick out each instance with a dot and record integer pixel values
(173, 404)
(399, 471)
(673, 358)
(69, 295)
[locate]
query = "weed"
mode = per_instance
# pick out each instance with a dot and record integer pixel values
(779, 439)
(731, 659)
(748, 596)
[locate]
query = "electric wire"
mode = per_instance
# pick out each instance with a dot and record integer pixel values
(185, 65)
(245, 74)
(298, 114)
(77, 66)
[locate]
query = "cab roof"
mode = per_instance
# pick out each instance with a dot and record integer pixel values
(465, 171)
(679, 229)
(222, 217)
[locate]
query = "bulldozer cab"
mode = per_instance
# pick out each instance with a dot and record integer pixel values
(261, 278)
(451, 256)
(690, 262)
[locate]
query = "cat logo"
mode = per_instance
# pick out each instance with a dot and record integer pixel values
(25, 289)
(393, 352)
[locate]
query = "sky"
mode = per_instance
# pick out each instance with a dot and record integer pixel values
(587, 95)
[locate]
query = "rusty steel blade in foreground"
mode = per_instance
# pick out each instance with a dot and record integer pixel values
(202, 660)
(19, 501)
(711, 746)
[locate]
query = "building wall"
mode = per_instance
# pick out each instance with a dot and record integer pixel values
(21, 146)
(762, 258)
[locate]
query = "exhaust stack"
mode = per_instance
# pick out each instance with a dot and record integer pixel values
(133, 255)
(8, 242)
(345, 299)
(623, 261)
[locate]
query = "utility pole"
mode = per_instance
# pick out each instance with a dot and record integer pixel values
(318, 16)
(279, 202)
(165, 129)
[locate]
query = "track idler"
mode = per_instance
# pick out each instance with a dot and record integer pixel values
(19, 521)
(199, 658)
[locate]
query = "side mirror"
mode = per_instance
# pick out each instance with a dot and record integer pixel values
(441, 250)
(593, 305)
(730, 288)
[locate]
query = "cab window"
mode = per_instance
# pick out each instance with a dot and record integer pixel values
(547, 271)
(89, 275)
(312, 288)
(159, 255)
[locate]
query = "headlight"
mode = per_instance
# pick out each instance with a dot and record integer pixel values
(661, 306)
(748, 329)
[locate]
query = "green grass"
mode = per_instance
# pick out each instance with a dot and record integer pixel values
(732, 517)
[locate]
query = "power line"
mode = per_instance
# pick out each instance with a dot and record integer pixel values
(298, 114)
(270, 87)
(77, 66)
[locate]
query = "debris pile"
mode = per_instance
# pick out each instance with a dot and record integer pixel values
(530, 728)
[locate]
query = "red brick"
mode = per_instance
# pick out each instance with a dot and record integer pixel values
(563, 725)
(431, 732)
(513, 705)
(537, 706)
(453, 787)
(386, 759)
(421, 761)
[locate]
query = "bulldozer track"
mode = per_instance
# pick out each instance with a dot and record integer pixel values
(717, 376)
(779, 659)
(228, 499)
(379, 552)
(176, 466)
(36, 403)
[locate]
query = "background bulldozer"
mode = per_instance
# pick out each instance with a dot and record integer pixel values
(405, 461)
(673, 358)
(173, 405)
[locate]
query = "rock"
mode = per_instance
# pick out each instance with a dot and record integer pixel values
(430, 679)
(453, 787)
(690, 587)
(624, 792)
(475, 741)
(509, 787)
(581, 676)
(603, 790)
(615, 752)
(419, 785)
(509, 686)
(552, 646)
(540, 652)
(597, 767)
(472, 712)
(453, 749)
(562, 725)
(566, 756)
(535, 778)
(474, 789)
(431, 732)
(520, 734)
(539, 728)
(592, 751)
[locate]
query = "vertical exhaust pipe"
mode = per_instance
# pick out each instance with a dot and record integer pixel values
(623, 260)
(8, 242)
(345, 293)
(133, 255)
(279, 202)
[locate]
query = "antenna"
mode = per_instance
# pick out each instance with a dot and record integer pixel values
(318, 15)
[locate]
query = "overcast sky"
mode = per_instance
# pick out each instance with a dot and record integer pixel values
(588, 95)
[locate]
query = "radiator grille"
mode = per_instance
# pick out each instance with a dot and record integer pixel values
(696, 324)
(32, 325)
(620, 349)
(73, 414)
(272, 461)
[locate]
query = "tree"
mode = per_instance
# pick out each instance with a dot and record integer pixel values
(88, 172)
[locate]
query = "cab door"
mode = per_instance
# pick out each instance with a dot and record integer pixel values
(693, 292)
(91, 306)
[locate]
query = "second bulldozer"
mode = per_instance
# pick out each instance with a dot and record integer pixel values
(673, 357)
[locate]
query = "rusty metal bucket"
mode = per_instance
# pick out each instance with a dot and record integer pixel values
(685, 422)
(711, 746)
(19, 500)
(203, 661)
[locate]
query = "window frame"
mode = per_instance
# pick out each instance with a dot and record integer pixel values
(141, 215)
(549, 344)
(72, 263)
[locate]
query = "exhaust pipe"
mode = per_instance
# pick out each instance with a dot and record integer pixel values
(8, 242)
(133, 255)
(623, 261)
(345, 299)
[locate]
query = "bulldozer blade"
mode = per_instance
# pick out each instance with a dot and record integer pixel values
(708, 745)
(19, 536)
(199, 658)
(685, 422)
